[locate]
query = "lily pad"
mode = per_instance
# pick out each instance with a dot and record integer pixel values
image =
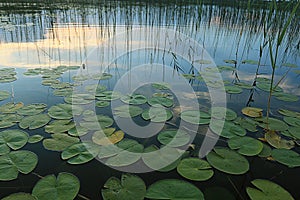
(59, 126)
(10, 108)
(276, 141)
(8, 120)
(287, 157)
(195, 169)
(35, 121)
(35, 139)
(226, 68)
(289, 113)
(220, 112)
(245, 145)
(230, 61)
(59, 142)
(135, 99)
(272, 124)
(108, 95)
(64, 92)
(266, 85)
(32, 109)
(12, 138)
(293, 121)
(231, 89)
(79, 99)
(174, 189)
(227, 161)
(202, 61)
(95, 88)
(64, 111)
(4, 95)
(244, 85)
(173, 138)
(229, 129)
(195, 117)
(161, 86)
(102, 104)
(294, 131)
(64, 187)
(252, 112)
(291, 65)
(127, 111)
(247, 123)
(17, 161)
(157, 114)
(108, 136)
(97, 122)
(161, 101)
(78, 131)
(251, 62)
(18, 196)
(267, 190)
(80, 153)
(266, 151)
(286, 97)
(130, 187)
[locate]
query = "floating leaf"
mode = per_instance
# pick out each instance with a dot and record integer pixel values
(32, 109)
(267, 190)
(227, 161)
(59, 142)
(291, 65)
(265, 86)
(247, 124)
(221, 112)
(64, 92)
(157, 114)
(226, 68)
(293, 121)
(195, 117)
(161, 101)
(161, 86)
(80, 153)
(79, 99)
(96, 122)
(286, 97)
(135, 99)
(173, 138)
(64, 111)
(4, 95)
(59, 126)
(230, 61)
(287, 157)
(127, 111)
(266, 151)
(244, 85)
(294, 131)
(35, 121)
(17, 161)
(11, 107)
(245, 145)
(102, 104)
(289, 113)
(276, 141)
(64, 187)
(8, 120)
(174, 189)
(195, 169)
(202, 61)
(272, 124)
(78, 131)
(12, 138)
(95, 88)
(108, 95)
(20, 196)
(228, 130)
(108, 136)
(252, 112)
(35, 139)
(251, 62)
(231, 89)
(130, 187)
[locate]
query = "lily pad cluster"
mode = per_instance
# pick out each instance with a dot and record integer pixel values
(7, 75)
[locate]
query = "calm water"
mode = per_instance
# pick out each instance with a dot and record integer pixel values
(107, 37)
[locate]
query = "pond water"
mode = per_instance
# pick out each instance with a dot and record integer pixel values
(73, 75)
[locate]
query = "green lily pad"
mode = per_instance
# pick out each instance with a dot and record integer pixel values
(64, 187)
(296, 71)
(266, 85)
(129, 152)
(78, 131)
(294, 131)
(286, 97)
(135, 99)
(227, 161)
(247, 124)
(245, 145)
(127, 111)
(50, 81)
(12, 138)
(4, 95)
(276, 141)
(230, 61)
(252, 112)
(64, 111)
(272, 124)
(289, 113)
(108, 95)
(161, 86)
(226, 68)
(102, 104)
(32, 109)
(95, 88)
(79, 99)
(95, 122)
(20, 196)
(244, 85)
(220, 112)
(130, 187)
(17, 161)
(291, 65)
(267, 190)
(32, 72)
(251, 62)
(157, 114)
(229, 129)
(173, 138)
(35, 121)
(174, 189)
(286, 157)
(202, 61)
(108, 136)
(189, 76)
(59, 126)
(266, 151)
(61, 85)
(195, 169)
(231, 89)
(293, 121)
(195, 117)
(11, 107)
(35, 139)
(161, 101)
(102, 76)
(80, 153)
(64, 92)
(8, 120)
(59, 142)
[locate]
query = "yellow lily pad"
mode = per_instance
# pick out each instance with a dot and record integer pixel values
(252, 112)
